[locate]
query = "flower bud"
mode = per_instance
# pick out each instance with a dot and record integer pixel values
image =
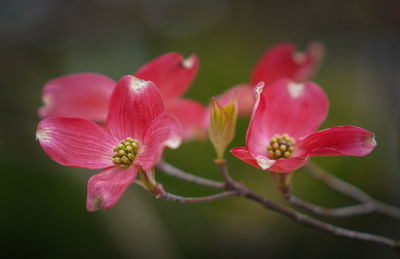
(222, 126)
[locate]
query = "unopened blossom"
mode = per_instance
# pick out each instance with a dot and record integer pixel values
(222, 126)
(282, 134)
(280, 61)
(136, 131)
(87, 95)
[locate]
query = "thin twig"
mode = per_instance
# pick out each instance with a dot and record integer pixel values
(178, 173)
(298, 217)
(337, 184)
(334, 212)
(317, 224)
(309, 221)
(352, 191)
(172, 197)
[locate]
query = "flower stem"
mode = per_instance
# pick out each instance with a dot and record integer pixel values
(172, 197)
(352, 210)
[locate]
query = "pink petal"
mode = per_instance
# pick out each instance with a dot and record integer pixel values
(243, 154)
(345, 140)
(286, 107)
(171, 73)
(107, 187)
(133, 105)
(282, 60)
(76, 142)
(289, 164)
(163, 131)
(84, 95)
(263, 162)
(244, 98)
(191, 115)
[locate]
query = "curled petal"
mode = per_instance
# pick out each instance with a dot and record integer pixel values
(133, 105)
(344, 140)
(171, 73)
(256, 137)
(244, 98)
(191, 115)
(106, 188)
(286, 107)
(282, 61)
(243, 154)
(163, 131)
(76, 142)
(84, 95)
(263, 162)
(288, 165)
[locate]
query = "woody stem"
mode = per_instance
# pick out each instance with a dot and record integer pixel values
(240, 189)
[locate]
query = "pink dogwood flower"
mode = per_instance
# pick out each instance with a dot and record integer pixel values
(280, 61)
(87, 95)
(135, 134)
(282, 134)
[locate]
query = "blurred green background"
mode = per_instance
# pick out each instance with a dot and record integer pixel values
(43, 211)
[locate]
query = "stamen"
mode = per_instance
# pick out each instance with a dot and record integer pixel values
(125, 153)
(280, 146)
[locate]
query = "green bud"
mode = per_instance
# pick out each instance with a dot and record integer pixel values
(222, 126)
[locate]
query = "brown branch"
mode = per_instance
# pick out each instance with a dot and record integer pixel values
(352, 191)
(317, 224)
(172, 197)
(240, 189)
(178, 173)
(328, 212)
(309, 221)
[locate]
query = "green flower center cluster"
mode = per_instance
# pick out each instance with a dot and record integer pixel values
(125, 152)
(281, 146)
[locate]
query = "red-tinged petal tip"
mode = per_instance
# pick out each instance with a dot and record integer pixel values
(190, 62)
(283, 61)
(137, 84)
(107, 187)
(170, 73)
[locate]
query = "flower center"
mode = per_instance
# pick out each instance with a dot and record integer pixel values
(125, 152)
(281, 146)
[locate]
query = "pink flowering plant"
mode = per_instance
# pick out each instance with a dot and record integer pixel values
(282, 134)
(90, 121)
(87, 95)
(137, 130)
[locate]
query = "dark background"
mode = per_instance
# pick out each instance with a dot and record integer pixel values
(43, 211)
